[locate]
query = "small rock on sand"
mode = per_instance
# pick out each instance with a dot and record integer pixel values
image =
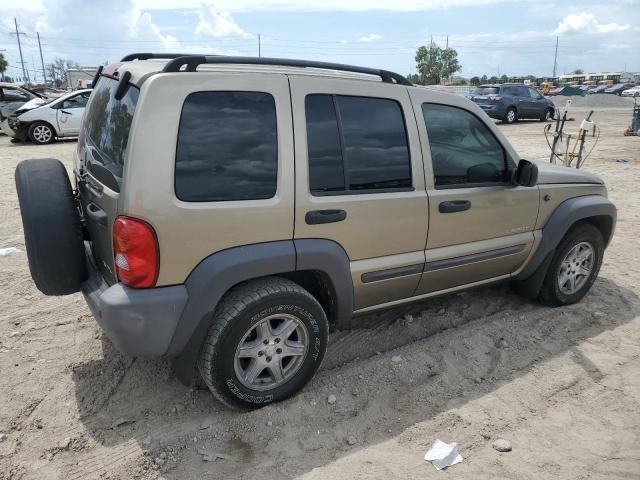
(331, 399)
(396, 359)
(351, 440)
(502, 445)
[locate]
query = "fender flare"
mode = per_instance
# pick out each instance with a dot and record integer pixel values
(561, 220)
(221, 271)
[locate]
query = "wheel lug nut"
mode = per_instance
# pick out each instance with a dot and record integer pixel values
(268, 359)
(278, 350)
(266, 342)
(277, 340)
(260, 353)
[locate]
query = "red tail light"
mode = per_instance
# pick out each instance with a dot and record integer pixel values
(136, 251)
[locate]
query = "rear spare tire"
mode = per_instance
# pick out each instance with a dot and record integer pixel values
(52, 229)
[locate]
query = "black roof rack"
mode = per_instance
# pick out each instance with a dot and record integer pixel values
(149, 56)
(191, 63)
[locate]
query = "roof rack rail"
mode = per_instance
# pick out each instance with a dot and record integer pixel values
(149, 56)
(191, 62)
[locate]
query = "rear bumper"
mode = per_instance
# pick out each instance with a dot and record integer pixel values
(493, 110)
(139, 322)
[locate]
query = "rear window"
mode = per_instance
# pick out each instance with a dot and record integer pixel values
(105, 134)
(486, 91)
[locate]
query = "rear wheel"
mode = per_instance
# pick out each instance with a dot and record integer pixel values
(52, 230)
(41, 133)
(266, 340)
(574, 267)
(510, 115)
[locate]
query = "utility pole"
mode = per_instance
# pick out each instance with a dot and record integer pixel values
(17, 34)
(555, 60)
(259, 46)
(44, 72)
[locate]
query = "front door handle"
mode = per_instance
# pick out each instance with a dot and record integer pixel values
(65, 112)
(319, 217)
(454, 206)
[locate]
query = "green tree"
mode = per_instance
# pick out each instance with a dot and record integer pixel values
(493, 79)
(484, 79)
(3, 66)
(435, 64)
(578, 71)
(474, 81)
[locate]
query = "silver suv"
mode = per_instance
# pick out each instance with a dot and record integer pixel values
(228, 212)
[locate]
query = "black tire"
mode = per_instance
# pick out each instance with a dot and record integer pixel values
(52, 229)
(41, 139)
(244, 307)
(508, 118)
(550, 294)
(547, 115)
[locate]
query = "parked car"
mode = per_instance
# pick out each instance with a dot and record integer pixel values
(60, 117)
(599, 89)
(631, 92)
(510, 102)
(618, 88)
(228, 214)
(13, 97)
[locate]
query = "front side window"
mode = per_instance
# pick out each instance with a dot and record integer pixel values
(535, 94)
(356, 144)
(227, 147)
(79, 101)
(464, 152)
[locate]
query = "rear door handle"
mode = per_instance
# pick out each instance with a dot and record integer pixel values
(454, 206)
(319, 217)
(98, 215)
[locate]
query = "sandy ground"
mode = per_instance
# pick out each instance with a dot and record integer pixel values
(562, 385)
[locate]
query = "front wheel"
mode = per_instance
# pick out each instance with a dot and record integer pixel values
(266, 341)
(574, 267)
(41, 133)
(548, 115)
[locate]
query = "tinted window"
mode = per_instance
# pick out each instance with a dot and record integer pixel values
(362, 146)
(227, 147)
(463, 149)
(486, 91)
(326, 167)
(105, 131)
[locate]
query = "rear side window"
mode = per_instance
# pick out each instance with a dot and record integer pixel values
(227, 147)
(486, 91)
(356, 145)
(464, 152)
(105, 130)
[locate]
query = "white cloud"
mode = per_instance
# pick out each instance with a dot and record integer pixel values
(218, 24)
(315, 5)
(586, 22)
(372, 37)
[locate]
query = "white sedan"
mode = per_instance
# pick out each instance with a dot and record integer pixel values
(58, 118)
(631, 92)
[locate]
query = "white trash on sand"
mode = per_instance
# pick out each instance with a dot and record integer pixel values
(443, 455)
(8, 251)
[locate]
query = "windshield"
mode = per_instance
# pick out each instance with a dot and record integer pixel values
(486, 91)
(105, 132)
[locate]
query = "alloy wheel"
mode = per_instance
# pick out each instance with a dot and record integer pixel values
(271, 352)
(576, 267)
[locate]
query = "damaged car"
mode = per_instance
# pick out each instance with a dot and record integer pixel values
(58, 118)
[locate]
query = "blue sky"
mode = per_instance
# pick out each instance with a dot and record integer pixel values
(492, 36)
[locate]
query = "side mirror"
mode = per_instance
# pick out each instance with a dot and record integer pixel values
(526, 174)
